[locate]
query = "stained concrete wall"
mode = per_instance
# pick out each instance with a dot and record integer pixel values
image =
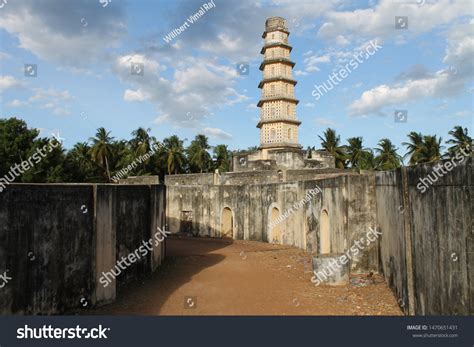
(281, 159)
(250, 177)
(361, 219)
(47, 244)
(190, 179)
(311, 174)
(349, 200)
(426, 243)
(56, 240)
(140, 180)
(427, 239)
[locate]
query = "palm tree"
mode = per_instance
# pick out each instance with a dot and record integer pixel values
(141, 142)
(460, 140)
(414, 147)
(198, 155)
(367, 160)
(174, 154)
(80, 166)
(431, 149)
(387, 158)
(222, 157)
(122, 156)
(81, 152)
(330, 143)
(355, 151)
(101, 149)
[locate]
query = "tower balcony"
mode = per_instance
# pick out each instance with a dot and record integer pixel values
(276, 60)
(283, 30)
(275, 79)
(279, 120)
(285, 97)
(276, 43)
(278, 95)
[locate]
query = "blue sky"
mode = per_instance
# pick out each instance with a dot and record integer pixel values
(84, 49)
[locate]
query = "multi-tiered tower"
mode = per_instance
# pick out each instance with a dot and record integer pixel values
(279, 148)
(278, 124)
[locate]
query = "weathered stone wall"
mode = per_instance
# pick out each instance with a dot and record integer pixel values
(427, 239)
(311, 174)
(287, 159)
(57, 239)
(190, 179)
(390, 221)
(140, 180)
(361, 219)
(47, 245)
(132, 211)
(425, 243)
(281, 159)
(249, 177)
(333, 201)
(349, 200)
(324, 159)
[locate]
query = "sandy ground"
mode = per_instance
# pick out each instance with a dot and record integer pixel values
(223, 277)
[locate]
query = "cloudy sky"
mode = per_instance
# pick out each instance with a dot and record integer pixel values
(79, 55)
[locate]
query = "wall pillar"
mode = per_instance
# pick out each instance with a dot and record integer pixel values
(105, 240)
(407, 227)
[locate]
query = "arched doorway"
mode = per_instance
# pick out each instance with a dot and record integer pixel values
(227, 223)
(324, 232)
(275, 226)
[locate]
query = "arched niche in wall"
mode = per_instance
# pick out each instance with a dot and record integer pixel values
(324, 233)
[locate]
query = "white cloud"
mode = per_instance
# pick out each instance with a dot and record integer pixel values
(418, 84)
(309, 104)
(4, 56)
(135, 95)
(325, 122)
(461, 114)
(51, 94)
(50, 99)
(341, 40)
(59, 111)
(312, 62)
(196, 86)
(9, 82)
(379, 21)
(16, 103)
(460, 50)
(55, 32)
(218, 133)
(300, 73)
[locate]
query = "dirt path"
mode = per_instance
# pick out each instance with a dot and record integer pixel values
(218, 277)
